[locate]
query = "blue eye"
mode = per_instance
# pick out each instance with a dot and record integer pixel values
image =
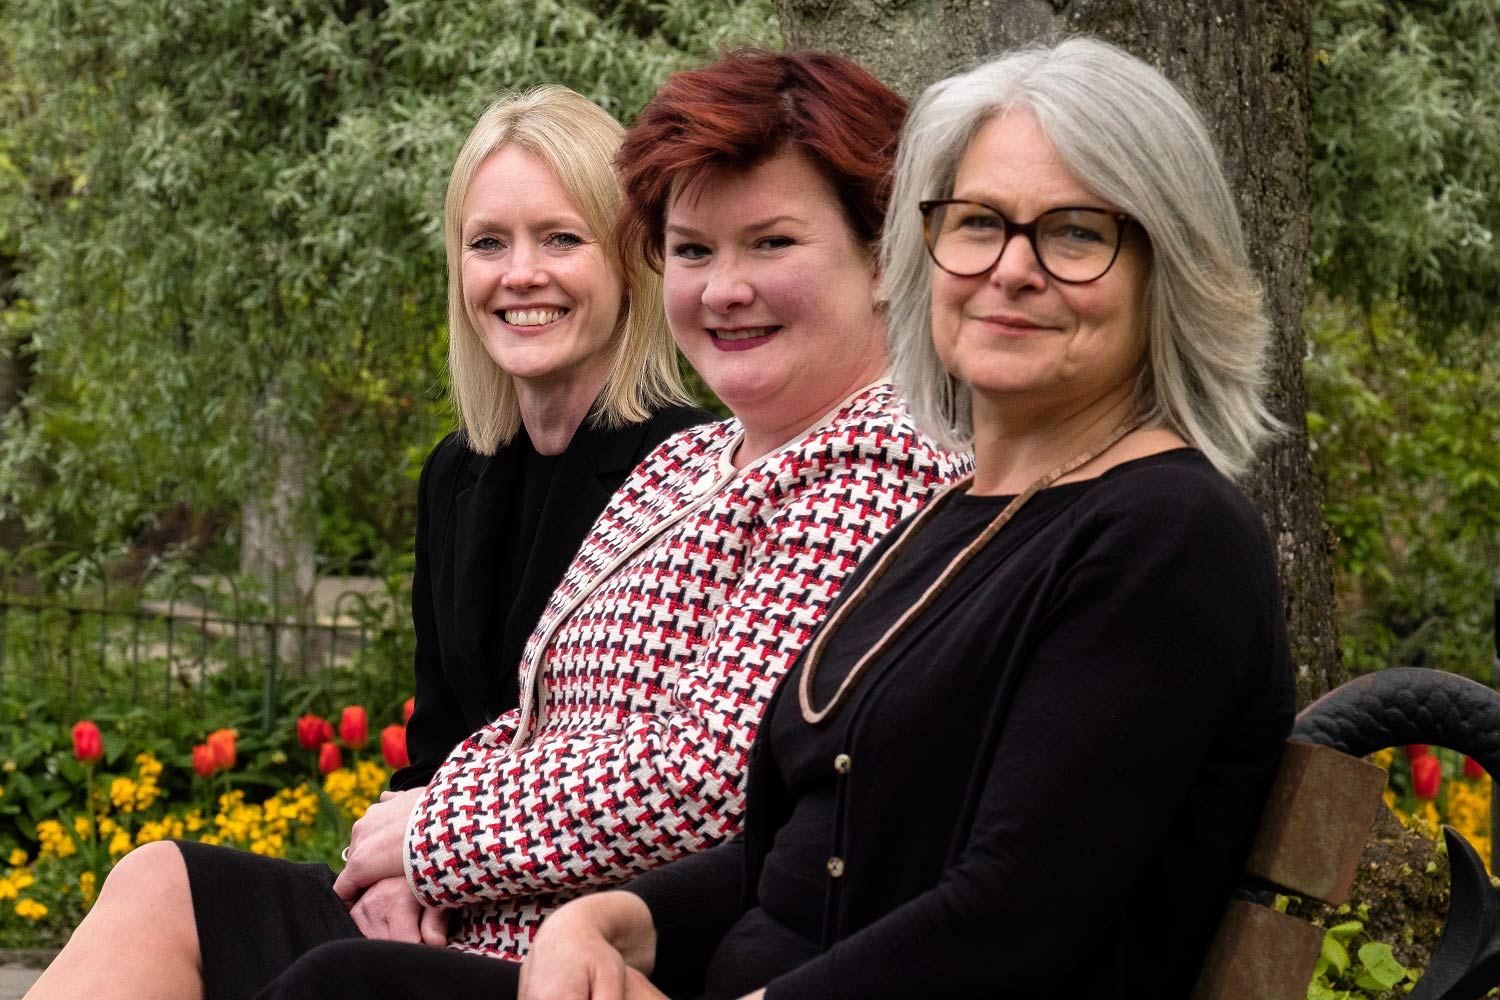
(1080, 234)
(977, 220)
(565, 240)
(690, 251)
(774, 242)
(485, 244)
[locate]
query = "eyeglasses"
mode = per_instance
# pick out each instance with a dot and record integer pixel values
(1073, 245)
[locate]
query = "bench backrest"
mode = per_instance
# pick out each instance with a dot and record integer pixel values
(1311, 835)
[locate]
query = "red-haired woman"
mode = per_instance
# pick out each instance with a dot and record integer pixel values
(757, 185)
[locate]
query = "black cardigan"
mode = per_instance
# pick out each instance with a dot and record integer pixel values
(467, 655)
(1051, 779)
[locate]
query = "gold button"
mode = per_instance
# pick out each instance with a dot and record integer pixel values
(841, 763)
(836, 867)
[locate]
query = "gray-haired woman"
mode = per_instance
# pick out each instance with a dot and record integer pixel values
(1024, 754)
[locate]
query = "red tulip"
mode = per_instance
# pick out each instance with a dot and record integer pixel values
(88, 744)
(203, 761)
(1415, 750)
(1473, 770)
(393, 746)
(409, 707)
(1426, 776)
(313, 731)
(330, 759)
(221, 745)
(354, 728)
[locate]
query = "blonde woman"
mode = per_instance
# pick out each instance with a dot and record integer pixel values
(563, 377)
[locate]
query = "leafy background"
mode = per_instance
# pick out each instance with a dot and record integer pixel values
(219, 216)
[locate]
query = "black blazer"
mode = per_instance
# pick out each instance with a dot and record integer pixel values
(467, 654)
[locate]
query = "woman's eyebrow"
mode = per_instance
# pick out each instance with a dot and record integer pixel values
(557, 222)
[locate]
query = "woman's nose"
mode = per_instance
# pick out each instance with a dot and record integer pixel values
(1018, 266)
(524, 269)
(727, 289)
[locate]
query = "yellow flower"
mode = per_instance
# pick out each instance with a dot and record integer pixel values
(120, 843)
(17, 858)
(7, 889)
(86, 888)
(107, 826)
(22, 879)
(145, 795)
(54, 840)
(30, 909)
(81, 826)
(122, 794)
(2, 793)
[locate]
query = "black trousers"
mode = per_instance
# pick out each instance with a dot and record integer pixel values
(269, 928)
(386, 970)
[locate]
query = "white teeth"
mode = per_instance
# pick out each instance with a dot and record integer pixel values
(531, 317)
(745, 334)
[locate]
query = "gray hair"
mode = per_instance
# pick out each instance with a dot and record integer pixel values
(1127, 134)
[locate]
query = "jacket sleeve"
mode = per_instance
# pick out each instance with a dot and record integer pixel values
(436, 724)
(582, 808)
(1149, 649)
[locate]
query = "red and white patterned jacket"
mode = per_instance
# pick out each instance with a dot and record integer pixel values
(647, 674)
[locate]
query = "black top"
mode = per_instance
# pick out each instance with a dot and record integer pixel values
(1044, 789)
(495, 533)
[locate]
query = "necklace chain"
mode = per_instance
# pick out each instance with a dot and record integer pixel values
(814, 715)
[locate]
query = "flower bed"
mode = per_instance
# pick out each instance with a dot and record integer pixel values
(296, 802)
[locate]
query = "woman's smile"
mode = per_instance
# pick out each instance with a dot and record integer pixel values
(532, 319)
(742, 338)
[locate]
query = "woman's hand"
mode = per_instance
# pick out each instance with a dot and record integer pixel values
(594, 948)
(376, 850)
(638, 987)
(388, 911)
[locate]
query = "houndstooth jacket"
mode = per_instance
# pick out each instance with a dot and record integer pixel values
(645, 679)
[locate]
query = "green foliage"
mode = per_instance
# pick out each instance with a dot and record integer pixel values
(233, 221)
(1368, 972)
(1406, 157)
(1407, 445)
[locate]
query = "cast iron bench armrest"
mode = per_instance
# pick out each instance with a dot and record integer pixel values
(1315, 824)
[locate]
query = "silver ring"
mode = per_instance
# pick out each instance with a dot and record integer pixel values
(345, 854)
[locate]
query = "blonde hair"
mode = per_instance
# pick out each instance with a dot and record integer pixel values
(578, 141)
(1132, 138)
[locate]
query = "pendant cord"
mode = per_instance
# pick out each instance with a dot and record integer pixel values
(830, 625)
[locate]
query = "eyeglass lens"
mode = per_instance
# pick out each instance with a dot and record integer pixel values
(1072, 244)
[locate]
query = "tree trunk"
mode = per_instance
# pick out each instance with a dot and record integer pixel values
(1245, 65)
(277, 528)
(15, 381)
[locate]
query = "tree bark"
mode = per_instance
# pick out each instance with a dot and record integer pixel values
(15, 380)
(1245, 66)
(277, 527)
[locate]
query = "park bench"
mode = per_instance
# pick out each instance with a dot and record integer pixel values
(1316, 822)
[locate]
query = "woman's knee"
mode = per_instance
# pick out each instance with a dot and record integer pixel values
(151, 872)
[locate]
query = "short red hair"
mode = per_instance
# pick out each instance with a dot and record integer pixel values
(746, 108)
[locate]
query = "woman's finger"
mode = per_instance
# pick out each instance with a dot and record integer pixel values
(434, 927)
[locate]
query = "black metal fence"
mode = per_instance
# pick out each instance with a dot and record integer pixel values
(72, 634)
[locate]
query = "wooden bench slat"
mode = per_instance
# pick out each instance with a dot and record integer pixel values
(1316, 822)
(1259, 954)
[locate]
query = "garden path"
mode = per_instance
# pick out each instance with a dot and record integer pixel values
(15, 980)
